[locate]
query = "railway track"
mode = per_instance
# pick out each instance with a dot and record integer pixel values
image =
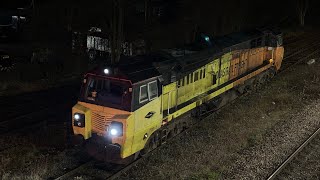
(305, 165)
(22, 125)
(34, 118)
(12, 125)
(75, 170)
(290, 47)
(294, 154)
(313, 52)
(32, 113)
(295, 38)
(289, 61)
(298, 56)
(26, 110)
(15, 106)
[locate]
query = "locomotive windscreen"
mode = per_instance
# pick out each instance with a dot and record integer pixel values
(107, 92)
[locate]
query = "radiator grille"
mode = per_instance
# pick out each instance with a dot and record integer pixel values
(100, 122)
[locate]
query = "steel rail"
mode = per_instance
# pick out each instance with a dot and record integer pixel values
(74, 170)
(287, 65)
(301, 50)
(293, 155)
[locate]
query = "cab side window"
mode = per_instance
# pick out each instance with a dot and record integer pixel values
(191, 78)
(188, 79)
(152, 90)
(214, 79)
(204, 72)
(196, 76)
(143, 96)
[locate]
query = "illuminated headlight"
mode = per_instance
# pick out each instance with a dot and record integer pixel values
(114, 132)
(79, 120)
(116, 129)
(106, 71)
(76, 116)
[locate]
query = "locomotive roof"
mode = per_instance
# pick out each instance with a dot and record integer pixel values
(184, 60)
(134, 69)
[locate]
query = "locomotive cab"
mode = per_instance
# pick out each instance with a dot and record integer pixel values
(113, 111)
(108, 92)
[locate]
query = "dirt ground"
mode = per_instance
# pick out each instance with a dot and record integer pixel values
(247, 139)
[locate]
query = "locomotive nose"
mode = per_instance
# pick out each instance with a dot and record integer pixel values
(81, 121)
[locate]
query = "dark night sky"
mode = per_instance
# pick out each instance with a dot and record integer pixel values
(51, 18)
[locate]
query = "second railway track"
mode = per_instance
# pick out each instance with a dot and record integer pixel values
(295, 154)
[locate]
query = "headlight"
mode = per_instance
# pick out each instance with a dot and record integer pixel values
(79, 120)
(76, 116)
(116, 129)
(106, 71)
(114, 132)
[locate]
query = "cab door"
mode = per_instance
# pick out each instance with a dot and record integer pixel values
(213, 70)
(225, 68)
(148, 115)
(235, 65)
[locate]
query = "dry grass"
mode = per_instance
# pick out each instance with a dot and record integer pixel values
(15, 164)
(36, 155)
(31, 162)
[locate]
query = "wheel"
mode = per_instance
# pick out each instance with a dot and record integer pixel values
(249, 85)
(241, 89)
(261, 82)
(196, 112)
(178, 129)
(248, 88)
(150, 145)
(271, 74)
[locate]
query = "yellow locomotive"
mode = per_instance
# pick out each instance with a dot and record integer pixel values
(129, 109)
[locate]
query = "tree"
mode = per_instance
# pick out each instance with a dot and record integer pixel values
(117, 21)
(302, 7)
(147, 13)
